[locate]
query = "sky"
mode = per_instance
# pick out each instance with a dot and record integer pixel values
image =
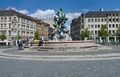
(47, 8)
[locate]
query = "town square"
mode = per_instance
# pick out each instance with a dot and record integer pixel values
(59, 38)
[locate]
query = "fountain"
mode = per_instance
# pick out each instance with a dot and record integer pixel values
(61, 32)
(61, 37)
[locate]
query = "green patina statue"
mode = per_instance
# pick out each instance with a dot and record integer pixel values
(59, 25)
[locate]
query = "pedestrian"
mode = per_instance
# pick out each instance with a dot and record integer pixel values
(40, 42)
(32, 41)
(20, 45)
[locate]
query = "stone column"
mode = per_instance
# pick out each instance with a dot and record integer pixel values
(108, 39)
(100, 39)
(115, 39)
(85, 39)
(7, 34)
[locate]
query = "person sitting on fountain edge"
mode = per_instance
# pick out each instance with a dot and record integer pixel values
(40, 42)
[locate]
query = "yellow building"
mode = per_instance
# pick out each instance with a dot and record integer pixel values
(43, 29)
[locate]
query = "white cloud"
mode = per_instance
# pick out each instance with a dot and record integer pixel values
(10, 7)
(49, 13)
(116, 9)
(85, 10)
(21, 10)
(71, 16)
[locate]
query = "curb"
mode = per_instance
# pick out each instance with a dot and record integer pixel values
(59, 57)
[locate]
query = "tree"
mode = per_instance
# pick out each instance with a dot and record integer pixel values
(85, 34)
(36, 35)
(118, 33)
(18, 37)
(2, 36)
(103, 32)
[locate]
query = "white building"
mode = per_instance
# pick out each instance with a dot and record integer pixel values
(93, 20)
(13, 23)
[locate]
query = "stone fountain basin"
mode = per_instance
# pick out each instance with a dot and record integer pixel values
(65, 45)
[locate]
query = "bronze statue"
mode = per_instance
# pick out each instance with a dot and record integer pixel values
(59, 25)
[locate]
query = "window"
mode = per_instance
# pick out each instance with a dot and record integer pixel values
(110, 20)
(18, 25)
(113, 31)
(102, 25)
(98, 26)
(5, 19)
(91, 20)
(116, 14)
(113, 14)
(1, 25)
(15, 19)
(109, 31)
(2, 19)
(95, 20)
(116, 25)
(113, 19)
(109, 25)
(117, 20)
(9, 19)
(88, 25)
(102, 19)
(82, 21)
(95, 26)
(92, 26)
(98, 20)
(95, 32)
(9, 33)
(27, 32)
(27, 27)
(4, 25)
(113, 25)
(105, 20)
(9, 25)
(88, 20)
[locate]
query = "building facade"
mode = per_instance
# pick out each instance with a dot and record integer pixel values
(94, 20)
(43, 29)
(51, 27)
(13, 23)
(75, 28)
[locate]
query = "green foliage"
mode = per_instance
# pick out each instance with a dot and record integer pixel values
(36, 35)
(85, 33)
(118, 32)
(103, 32)
(2, 36)
(18, 37)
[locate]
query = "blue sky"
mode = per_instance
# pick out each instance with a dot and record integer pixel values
(67, 5)
(47, 8)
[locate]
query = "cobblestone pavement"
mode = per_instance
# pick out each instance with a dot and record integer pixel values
(31, 68)
(12, 67)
